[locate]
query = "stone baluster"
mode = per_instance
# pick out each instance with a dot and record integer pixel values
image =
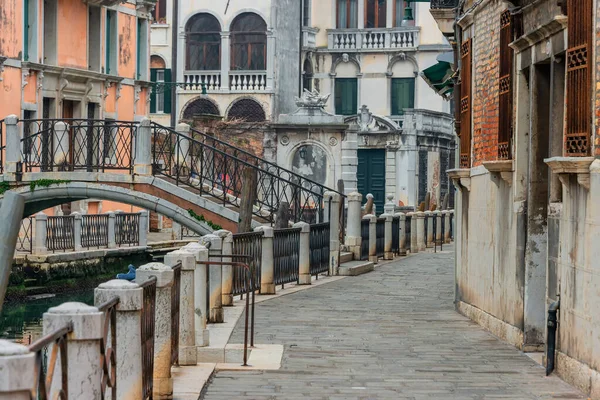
(61, 145)
(353, 237)
(17, 371)
(215, 284)
(402, 233)
(388, 255)
(421, 231)
(143, 154)
(414, 247)
(333, 199)
(372, 237)
(41, 234)
(267, 266)
(201, 305)
(430, 232)
(304, 249)
(112, 238)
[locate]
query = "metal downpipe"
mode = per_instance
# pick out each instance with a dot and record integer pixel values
(551, 338)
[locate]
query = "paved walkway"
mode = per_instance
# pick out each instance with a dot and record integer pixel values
(389, 334)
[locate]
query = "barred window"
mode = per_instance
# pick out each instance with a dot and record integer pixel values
(247, 110)
(248, 43)
(198, 108)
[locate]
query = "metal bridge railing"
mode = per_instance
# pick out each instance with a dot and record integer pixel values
(396, 235)
(60, 233)
(147, 336)
(380, 237)
(319, 240)
(127, 229)
(250, 245)
(286, 255)
(364, 243)
(108, 347)
(94, 230)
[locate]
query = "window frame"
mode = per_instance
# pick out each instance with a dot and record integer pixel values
(339, 108)
(394, 99)
(160, 97)
(250, 45)
(377, 17)
(160, 12)
(349, 21)
(204, 45)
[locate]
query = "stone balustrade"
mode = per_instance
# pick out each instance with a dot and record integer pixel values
(381, 39)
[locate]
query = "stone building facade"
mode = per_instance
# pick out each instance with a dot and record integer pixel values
(528, 127)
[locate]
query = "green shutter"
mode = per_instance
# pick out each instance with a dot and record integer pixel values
(346, 96)
(107, 47)
(154, 90)
(26, 30)
(167, 92)
(403, 95)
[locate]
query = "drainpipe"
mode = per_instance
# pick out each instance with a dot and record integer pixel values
(551, 339)
(174, 66)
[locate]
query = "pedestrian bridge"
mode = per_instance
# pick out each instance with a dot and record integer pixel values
(181, 173)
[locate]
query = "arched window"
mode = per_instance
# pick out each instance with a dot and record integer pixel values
(198, 108)
(248, 43)
(307, 75)
(247, 110)
(203, 46)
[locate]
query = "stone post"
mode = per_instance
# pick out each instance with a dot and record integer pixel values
(17, 371)
(304, 273)
(389, 206)
(129, 345)
(112, 239)
(226, 270)
(353, 237)
(13, 154)
(225, 60)
(446, 216)
(438, 226)
(402, 233)
(334, 231)
(421, 231)
(215, 277)
(267, 266)
(176, 231)
(372, 237)
(182, 148)
(41, 233)
(430, 233)
(83, 347)
(77, 230)
(143, 153)
(451, 226)
(143, 227)
(414, 247)
(388, 255)
(61, 145)
(187, 327)
(162, 380)
(200, 292)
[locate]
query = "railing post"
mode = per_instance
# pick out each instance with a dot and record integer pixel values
(267, 264)
(430, 233)
(112, 239)
(200, 292)
(402, 233)
(225, 60)
(353, 238)
(176, 231)
(41, 234)
(83, 349)
(129, 346)
(162, 380)
(437, 214)
(421, 231)
(226, 270)
(334, 231)
(372, 238)
(414, 247)
(451, 224)
(183, 147)
(389, 207)
(188, 355)
(61, 146)
(143, 229)
(446, 216)
(17, 367)
(304, 273)
(388, 255)
(215, 283)
(77, 230)
(13, 154)
(143, 149)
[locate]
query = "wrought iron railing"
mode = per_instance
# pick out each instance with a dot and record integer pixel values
(147, 336)
(25, 238)
(407, 232)
(108, 356)
(60, 233)
(437, 4)
(44, 373)
(127, 229)
(396, 235)
(2, 146)
(175, 306)
(380, 237)
(94, 230)
(247, 244)
(286, 257)
(364, 243)
(77, 145)
(319, 248)
(425, 228)
(452, 226)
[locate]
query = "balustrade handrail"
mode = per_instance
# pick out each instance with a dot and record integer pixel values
(378, 30)
(147, 335)
(108, 356)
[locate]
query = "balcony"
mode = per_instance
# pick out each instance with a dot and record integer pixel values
(369, 40)
(309, 38)
(443, 11)
(226, 82)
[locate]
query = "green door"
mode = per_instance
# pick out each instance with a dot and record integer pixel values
(371, 176)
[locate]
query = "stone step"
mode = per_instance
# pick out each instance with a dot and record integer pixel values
(346, 257)
(354, 268)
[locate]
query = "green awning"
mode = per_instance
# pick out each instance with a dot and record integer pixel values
(440, 78)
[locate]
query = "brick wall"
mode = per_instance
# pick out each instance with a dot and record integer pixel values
(597, 83)
(249, 138)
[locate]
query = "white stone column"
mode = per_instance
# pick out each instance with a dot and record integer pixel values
(187, 327)
(143, 227)
(225, 60)
(182, 148)
(163, 382)
(361, 14)
(446, 216)
(402, 233)
(129, 345)
(83, 349)
(353, 237)
(430, 233)
(61, 145)
(112, 239)
(270, 59)
(334, 231)
(389, 16)
(421, 231)
(304, 273)
(437, 214)
(13, 147)
(176, 232)
(414, 246)
(226, 270)
(215, 279)
(41, 234)
(17, 371)
(143, 150)
(77, 230)
(388, 255)
(349, 159)
(372, 237)
(267, 265)
(200, 292)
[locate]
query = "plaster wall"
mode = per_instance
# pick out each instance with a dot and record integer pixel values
(127, 45)
(11, 29)
(10, 92)
(72, 51)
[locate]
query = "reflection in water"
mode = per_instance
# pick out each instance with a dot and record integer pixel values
(22, 322)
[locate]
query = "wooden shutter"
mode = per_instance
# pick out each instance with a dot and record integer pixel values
(168, 91)
(154, 90)
(579, 78)
(505, 123)
(465, 104)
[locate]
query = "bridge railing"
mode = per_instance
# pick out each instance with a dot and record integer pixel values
(286, 255)
(247, 244)
(2, 146)
(319, 244)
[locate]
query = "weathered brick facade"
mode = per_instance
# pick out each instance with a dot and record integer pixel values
(597, 86)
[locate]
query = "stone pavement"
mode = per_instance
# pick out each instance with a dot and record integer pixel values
(389, 334)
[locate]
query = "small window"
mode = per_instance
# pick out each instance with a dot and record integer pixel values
(307, 75)
(305, 12)
(249, 43)
(160, 99)
(199, 108)
(160, 12)
(403, 95)
(347, 14)
(111, 48)
(375, 16)
(94, 38)
(203, 43)
(346, 96)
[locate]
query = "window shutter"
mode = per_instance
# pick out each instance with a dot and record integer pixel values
(168, 92)
(579, 78)
(354, 100)
(505, 122)
(465, 105)
(154, 90)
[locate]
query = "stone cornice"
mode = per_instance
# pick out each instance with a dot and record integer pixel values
(71, 72)
(542, 32)
(565, 166)
(503, 168)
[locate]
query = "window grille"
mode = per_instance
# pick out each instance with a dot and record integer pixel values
(465, 105)
(505, 122)
(200, 107)
(247, 110)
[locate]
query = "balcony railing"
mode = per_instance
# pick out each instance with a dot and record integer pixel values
(194, 80)
(248, 81)
(441, 4)
(217, 82)
(345, 40)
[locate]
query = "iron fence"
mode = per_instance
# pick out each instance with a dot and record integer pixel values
(60, 233)
(77, 145)
(188, 233)
(380, 237)
(319, 248)
(407, 232)
(25, 239)
(396, 235)
(127, 229)
(452, 226)
(108, 357)
(44, 373)
(286, 258)
(175, 306)
(426, 229)
(247, 244)
(364, 243)
(94, 230)
(147, 336)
